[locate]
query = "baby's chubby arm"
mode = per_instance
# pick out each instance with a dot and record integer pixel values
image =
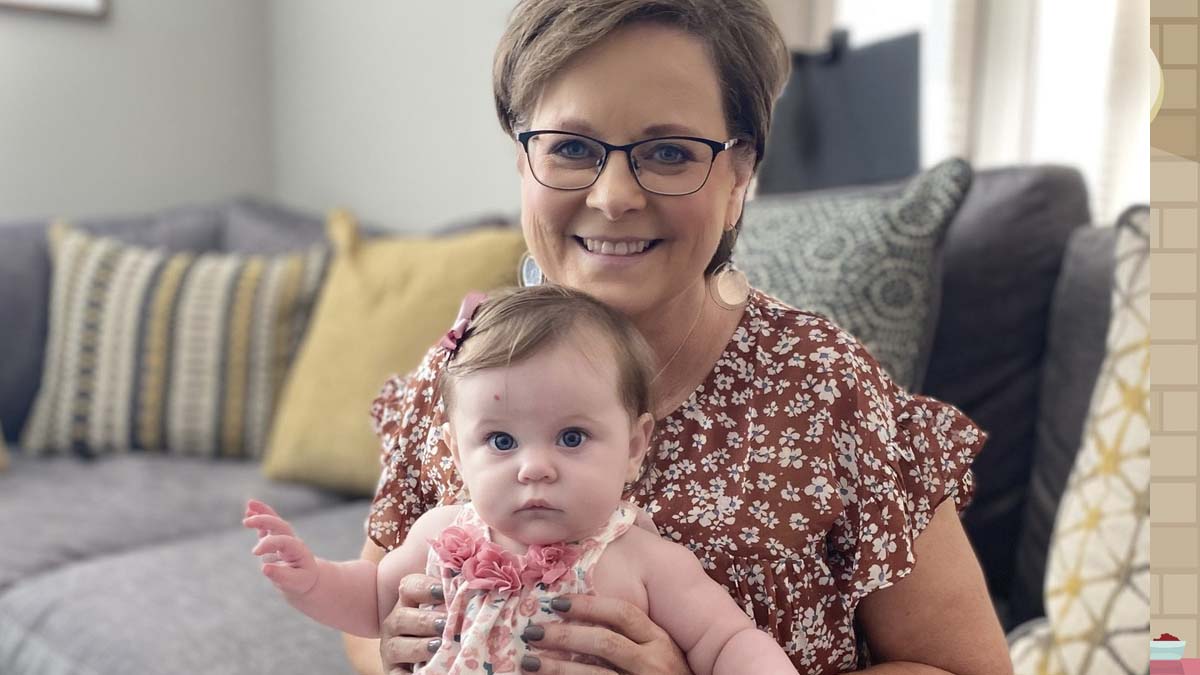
(351, 596)
(704, 621)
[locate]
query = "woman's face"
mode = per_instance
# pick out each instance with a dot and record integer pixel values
(642, 81)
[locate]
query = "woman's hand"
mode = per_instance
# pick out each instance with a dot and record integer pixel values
(410, 635)
(624, 637)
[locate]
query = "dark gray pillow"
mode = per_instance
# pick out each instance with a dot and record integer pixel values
(866, 259)
(1002, 258)
(1075, 350)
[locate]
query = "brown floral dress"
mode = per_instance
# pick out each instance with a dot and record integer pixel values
(798, 473)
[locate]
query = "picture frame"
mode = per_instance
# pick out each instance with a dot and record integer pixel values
(90, 9)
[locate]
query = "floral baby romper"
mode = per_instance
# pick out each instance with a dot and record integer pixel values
(492, 594)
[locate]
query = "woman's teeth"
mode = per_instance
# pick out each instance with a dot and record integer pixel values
(616, 248)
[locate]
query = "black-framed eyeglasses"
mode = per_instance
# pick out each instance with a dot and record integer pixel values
(667, 165)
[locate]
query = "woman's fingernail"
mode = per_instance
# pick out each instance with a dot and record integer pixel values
(439, 625)
(531, 663)
(560, 604)
(434, 645)
(436, 592)
(533, 632)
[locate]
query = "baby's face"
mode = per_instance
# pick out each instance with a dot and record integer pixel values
(546, 446)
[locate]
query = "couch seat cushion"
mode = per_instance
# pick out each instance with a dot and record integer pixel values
(193, 606)
(57, 511)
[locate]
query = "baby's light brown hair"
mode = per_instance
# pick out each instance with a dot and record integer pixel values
(514, 324)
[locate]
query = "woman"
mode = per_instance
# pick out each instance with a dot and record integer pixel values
(799, 474)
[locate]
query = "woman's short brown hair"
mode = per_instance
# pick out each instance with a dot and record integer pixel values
(514, 324)
(746, 46)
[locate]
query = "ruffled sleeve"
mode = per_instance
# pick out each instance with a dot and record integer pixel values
(910, 455)
(417, 471)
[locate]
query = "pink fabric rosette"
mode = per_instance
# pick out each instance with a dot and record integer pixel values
(493, 569)
(549, 563)
(456, 546)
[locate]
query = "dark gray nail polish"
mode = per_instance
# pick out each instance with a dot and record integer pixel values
(439, 625)
(434, 645)
(533, 632)
(436, 592)
(531, 663)
(560, 604)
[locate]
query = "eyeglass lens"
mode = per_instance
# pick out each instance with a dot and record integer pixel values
(668, 166)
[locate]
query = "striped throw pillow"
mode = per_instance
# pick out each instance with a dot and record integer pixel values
(173, 352)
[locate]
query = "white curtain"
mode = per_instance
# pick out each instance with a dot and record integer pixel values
(1007, 82)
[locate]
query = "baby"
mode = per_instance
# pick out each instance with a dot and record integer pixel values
(547, 397)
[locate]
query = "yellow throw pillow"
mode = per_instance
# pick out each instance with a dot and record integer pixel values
(385, 302)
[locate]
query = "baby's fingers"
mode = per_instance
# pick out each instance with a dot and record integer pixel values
(254, 507)
(267, 524)
(289, 549)
(290, 579)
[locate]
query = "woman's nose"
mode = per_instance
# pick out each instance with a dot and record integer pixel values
(536, 466)
(616, 190)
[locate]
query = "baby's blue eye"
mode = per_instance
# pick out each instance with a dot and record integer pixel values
(572, 438)
(502, 441)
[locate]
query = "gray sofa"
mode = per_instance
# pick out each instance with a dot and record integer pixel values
(137, 563)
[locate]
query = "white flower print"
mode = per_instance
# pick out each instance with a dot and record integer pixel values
(749, 535)
(757, 433)
(791, 458)
(789, 437)
(885, 542)
(824, 356)
(742, 339)
(846, 491)
(827, 390)
(766, 481)
(797, 521)
(790, 493)
(819, 488)
(762, 454)
(785, 344)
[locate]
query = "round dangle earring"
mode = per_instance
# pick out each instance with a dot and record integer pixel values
(728, 286)
(529, 272)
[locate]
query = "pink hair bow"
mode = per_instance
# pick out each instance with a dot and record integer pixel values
(466, 312)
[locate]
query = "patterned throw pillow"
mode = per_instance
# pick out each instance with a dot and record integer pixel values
(181, 353)
(868, 260)
(1098, 574)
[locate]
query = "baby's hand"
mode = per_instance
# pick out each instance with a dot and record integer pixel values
(287, 561)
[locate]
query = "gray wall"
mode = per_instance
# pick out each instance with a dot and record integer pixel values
(163, 102)
(386, 107)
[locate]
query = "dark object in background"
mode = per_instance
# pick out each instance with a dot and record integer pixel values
(846, 117)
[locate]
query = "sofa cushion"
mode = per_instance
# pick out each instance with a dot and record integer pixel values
(198, 606)
(385, 302)
(1001, 259)
(1074, 352)
(61, 510)
(867, 260)
(159, 351)
(25, 289)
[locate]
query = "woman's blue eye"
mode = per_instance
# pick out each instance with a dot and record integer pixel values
(572, 438)
(501, 441)
(670, 154)
(572, 150)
